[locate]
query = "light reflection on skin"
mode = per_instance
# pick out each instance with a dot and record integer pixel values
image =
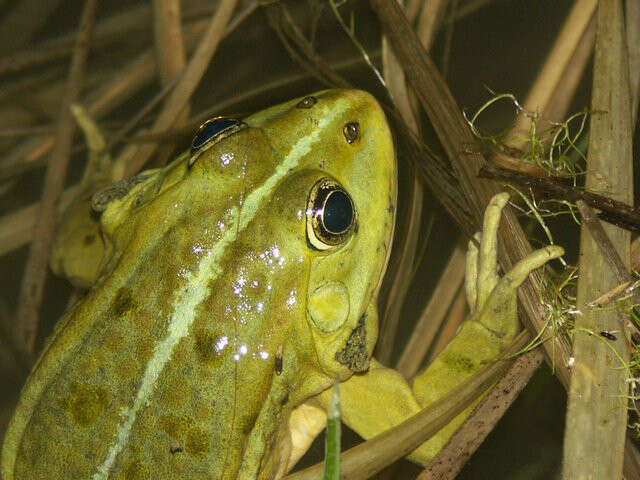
(226, 158)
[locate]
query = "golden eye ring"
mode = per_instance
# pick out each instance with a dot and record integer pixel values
(331, 215)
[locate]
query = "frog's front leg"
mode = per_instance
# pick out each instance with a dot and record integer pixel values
(381, 398)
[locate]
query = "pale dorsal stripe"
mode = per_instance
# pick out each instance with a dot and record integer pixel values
(196, 287)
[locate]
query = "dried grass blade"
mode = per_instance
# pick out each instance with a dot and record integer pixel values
(170, 53)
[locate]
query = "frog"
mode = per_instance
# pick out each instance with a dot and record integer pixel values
(230, 290)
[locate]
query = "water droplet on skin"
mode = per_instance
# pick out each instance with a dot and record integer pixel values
(221, 343)
(226, 158)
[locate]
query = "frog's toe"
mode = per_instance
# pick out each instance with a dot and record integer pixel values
(500, 308)
(471, 271)
(488, 260)
(508, 284)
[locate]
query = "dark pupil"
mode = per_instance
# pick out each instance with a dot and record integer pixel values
(338, 212)
(210, 130)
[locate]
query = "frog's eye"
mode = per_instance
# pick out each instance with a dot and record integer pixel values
(331, 216)
(213, 130)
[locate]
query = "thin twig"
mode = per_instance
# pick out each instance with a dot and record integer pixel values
(35, 274)
(617, 212)
(304, 54)
(604, 242)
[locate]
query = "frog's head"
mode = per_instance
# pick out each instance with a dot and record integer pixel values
(347, 175)
(311, 184)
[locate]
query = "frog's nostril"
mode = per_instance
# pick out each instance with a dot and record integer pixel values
(351, 131)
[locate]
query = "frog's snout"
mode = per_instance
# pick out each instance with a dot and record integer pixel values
(328, 306)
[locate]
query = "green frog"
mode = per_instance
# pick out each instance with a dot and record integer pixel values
(230, 290)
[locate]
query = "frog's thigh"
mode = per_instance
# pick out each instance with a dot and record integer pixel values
(375, 401)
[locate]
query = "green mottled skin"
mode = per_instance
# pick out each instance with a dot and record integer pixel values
(216, 411)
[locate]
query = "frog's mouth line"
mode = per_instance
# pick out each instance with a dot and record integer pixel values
(354, 355)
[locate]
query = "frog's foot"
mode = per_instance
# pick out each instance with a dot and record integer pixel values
(78, 247)
(492, 299)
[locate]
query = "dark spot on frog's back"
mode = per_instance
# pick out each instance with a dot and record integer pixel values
(85, 402)
(122, 303)
(184, 431)
(197, 442)
(176, 426)
(459, 363)
(205, 347)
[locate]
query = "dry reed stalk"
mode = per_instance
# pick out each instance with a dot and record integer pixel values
(169, 45)
(572, 74)
(632, 13)
(568, 58)
(16, 229)
(397, 87)
(441, 109)
(35, 273)
(430, 20)
(597, 405)
(105, 32)
(456, 139)
(405, 102)
(115, 91)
